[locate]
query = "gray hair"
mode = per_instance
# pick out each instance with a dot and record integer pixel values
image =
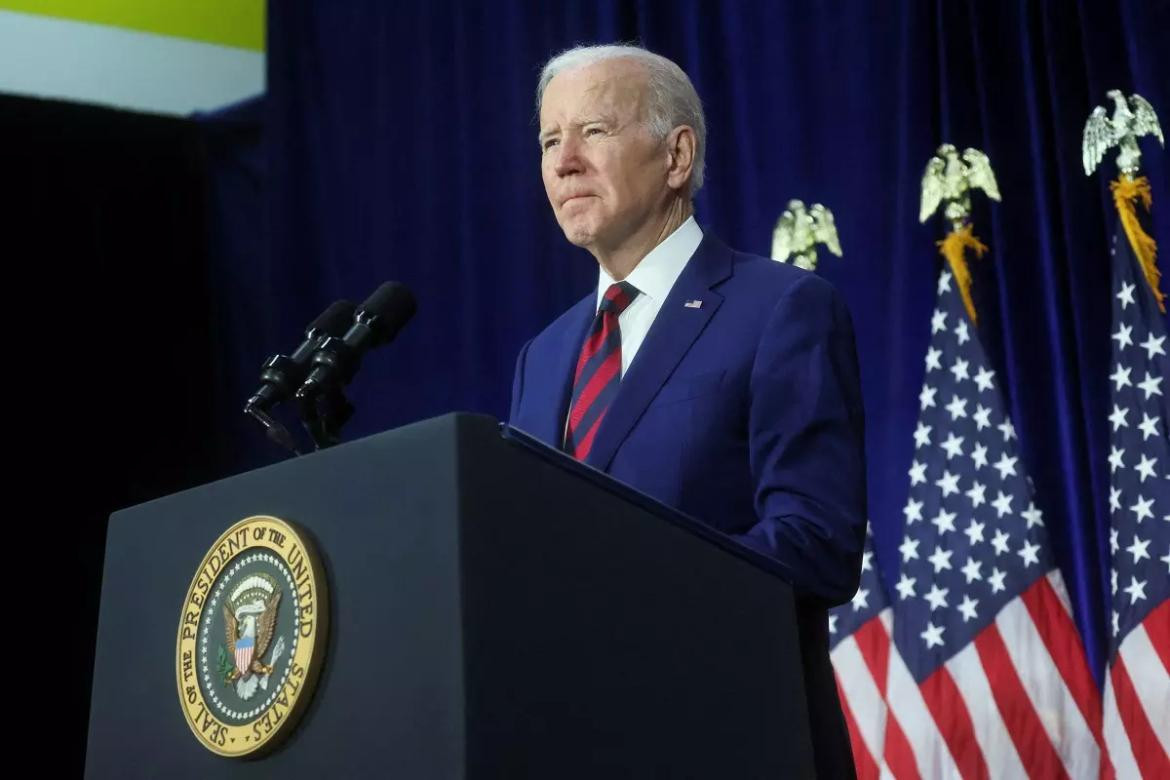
(673, 100)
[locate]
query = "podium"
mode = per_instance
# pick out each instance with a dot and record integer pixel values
(497, 610)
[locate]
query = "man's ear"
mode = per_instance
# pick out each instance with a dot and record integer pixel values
(680, 151)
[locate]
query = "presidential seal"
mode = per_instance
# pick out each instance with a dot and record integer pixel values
(251, 637)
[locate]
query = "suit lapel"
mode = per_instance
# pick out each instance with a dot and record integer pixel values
(556, 386)
(675, 328)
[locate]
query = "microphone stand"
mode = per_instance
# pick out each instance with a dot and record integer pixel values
(324, 415)
(273, 429)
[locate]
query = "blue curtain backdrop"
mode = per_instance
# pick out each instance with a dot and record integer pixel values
(397, 141)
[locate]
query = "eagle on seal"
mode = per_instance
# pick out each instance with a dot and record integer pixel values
(249, 635)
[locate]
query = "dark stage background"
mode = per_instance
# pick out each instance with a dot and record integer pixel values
(397, 141)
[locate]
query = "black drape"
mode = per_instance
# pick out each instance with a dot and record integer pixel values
(110, 368)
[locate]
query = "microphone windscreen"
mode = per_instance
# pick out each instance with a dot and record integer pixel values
(335, 320)
(393, 305)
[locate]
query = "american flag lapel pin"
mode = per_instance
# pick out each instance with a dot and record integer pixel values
(695, 304)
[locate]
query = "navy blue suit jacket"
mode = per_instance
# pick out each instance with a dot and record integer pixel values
(744, 412)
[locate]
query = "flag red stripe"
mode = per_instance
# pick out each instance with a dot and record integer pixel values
(950, 714)
(897, 752)
(1157, 625)
(1062, 639)
(874, 643)
(1147, 750)
(863, 760)
(1032, 743)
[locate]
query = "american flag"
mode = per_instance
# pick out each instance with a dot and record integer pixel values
(1137, 688)
(987, 677)
(859, 642)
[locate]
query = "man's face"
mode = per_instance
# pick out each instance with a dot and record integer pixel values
(605, 175)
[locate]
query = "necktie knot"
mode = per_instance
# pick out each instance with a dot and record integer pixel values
(618, 298)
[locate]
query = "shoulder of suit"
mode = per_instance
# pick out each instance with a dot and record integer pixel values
(769, 277)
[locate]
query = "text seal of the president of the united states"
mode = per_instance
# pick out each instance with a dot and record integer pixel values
(252, 634)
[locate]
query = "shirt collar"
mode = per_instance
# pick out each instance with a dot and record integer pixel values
(658, 271)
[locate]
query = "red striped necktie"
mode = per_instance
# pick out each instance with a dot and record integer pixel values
(599, 370)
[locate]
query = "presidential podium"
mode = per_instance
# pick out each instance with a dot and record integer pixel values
(496, 610)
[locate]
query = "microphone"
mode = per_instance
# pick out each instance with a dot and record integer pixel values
(281, 375)
(376, 322)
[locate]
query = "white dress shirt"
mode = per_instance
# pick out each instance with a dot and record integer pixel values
(653, 277)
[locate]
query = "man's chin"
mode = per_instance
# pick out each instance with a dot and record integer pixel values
(579, 235)
(580, 240)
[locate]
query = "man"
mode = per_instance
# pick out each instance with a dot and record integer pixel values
(720, 383)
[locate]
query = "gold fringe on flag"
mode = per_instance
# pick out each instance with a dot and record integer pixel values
(1125, 192)
(952, 248)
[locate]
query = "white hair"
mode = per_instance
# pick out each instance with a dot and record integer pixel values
(673, 100)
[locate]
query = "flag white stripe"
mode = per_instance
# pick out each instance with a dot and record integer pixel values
(1057, 583)
(990, 732)
(1116, 738)
(907, 706)
(887, 618)
(861, 691)
(1051, 699)
(1150, 681)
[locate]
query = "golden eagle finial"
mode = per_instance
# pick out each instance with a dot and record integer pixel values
(799, 230)
(950, 178)
(1128, 123)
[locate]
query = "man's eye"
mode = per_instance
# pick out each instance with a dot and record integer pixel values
(593, 131)
(550, 143)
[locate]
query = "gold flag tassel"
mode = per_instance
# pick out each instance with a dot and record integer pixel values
(1125, 192)
(953, 249)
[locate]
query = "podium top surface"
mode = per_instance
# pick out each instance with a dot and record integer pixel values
(487, 425)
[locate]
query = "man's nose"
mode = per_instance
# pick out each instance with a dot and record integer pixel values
(568, 160)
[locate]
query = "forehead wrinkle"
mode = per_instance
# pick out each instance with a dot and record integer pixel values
(580, 121)
(618, 91)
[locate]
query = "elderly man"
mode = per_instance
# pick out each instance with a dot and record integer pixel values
(721, 383)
